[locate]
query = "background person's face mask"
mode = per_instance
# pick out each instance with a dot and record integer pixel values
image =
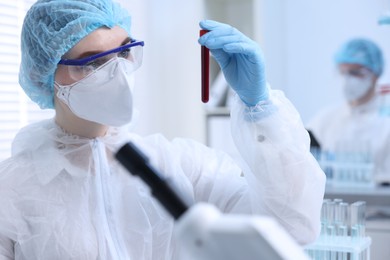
(104, 97)
(355, 87)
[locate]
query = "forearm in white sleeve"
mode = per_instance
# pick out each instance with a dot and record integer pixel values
(283, 176)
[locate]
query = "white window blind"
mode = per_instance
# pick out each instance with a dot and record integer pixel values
(16, 109)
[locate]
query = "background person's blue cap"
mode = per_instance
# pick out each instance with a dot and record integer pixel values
(363, 52)
(384, 19)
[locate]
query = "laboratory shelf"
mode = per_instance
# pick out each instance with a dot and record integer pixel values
(218, 111)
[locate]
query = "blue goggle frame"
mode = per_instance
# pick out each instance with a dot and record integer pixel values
(85, 61)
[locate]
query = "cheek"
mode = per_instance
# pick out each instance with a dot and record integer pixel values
(62, 76)
(374, 80)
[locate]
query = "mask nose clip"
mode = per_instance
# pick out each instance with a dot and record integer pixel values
(113, 69)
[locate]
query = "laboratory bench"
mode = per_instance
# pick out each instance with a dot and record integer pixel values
(373, 195)
(377, 200)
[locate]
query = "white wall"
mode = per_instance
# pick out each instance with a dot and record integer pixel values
(168, 83)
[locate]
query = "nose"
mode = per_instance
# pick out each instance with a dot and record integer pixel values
(114, 68)
(126, 66)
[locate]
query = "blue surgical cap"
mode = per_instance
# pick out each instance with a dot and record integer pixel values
(384, 19)
(50, 29)
(363, 52)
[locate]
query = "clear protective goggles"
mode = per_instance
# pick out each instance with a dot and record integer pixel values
(78, 69)
(361, 73)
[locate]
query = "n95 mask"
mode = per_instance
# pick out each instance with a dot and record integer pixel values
(105, 96)
(355, 87)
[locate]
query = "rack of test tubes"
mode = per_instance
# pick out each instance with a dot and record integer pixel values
(342, 234)
(346, 169)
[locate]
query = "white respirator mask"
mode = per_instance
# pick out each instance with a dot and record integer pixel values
(355, 87)
(105, 96)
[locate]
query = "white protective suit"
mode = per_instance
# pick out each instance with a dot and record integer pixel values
(66, 197)
(344, 128)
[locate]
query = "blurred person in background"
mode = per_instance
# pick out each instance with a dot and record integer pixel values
(355, 131)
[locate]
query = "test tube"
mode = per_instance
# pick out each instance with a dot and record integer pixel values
(342, 226)
(205, 64)
(331, 233)
(337, 201)
(324, 215)
(337, 210)
(330, 228)
(341, 213)
(357, 221)
(330, 214)
(358, 218)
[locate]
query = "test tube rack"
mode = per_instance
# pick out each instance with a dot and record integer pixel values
(344, 174)
(346, 169)
(340, 248)
(342, 233)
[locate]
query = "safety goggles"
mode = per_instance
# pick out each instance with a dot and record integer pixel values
(358, 73)
(81, 68)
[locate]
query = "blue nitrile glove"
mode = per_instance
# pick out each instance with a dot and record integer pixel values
(240, 59)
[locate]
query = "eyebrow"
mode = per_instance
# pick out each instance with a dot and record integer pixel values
(90, 53)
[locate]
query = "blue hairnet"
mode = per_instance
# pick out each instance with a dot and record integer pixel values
(384, 19)
(363, 52)
(50, 29)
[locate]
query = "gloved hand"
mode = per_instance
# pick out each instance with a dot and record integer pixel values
(240, 59)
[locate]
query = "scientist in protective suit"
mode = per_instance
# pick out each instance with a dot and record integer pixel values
(356, 127)
(64, 196)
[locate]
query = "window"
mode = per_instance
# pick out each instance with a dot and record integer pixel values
(16, 109)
